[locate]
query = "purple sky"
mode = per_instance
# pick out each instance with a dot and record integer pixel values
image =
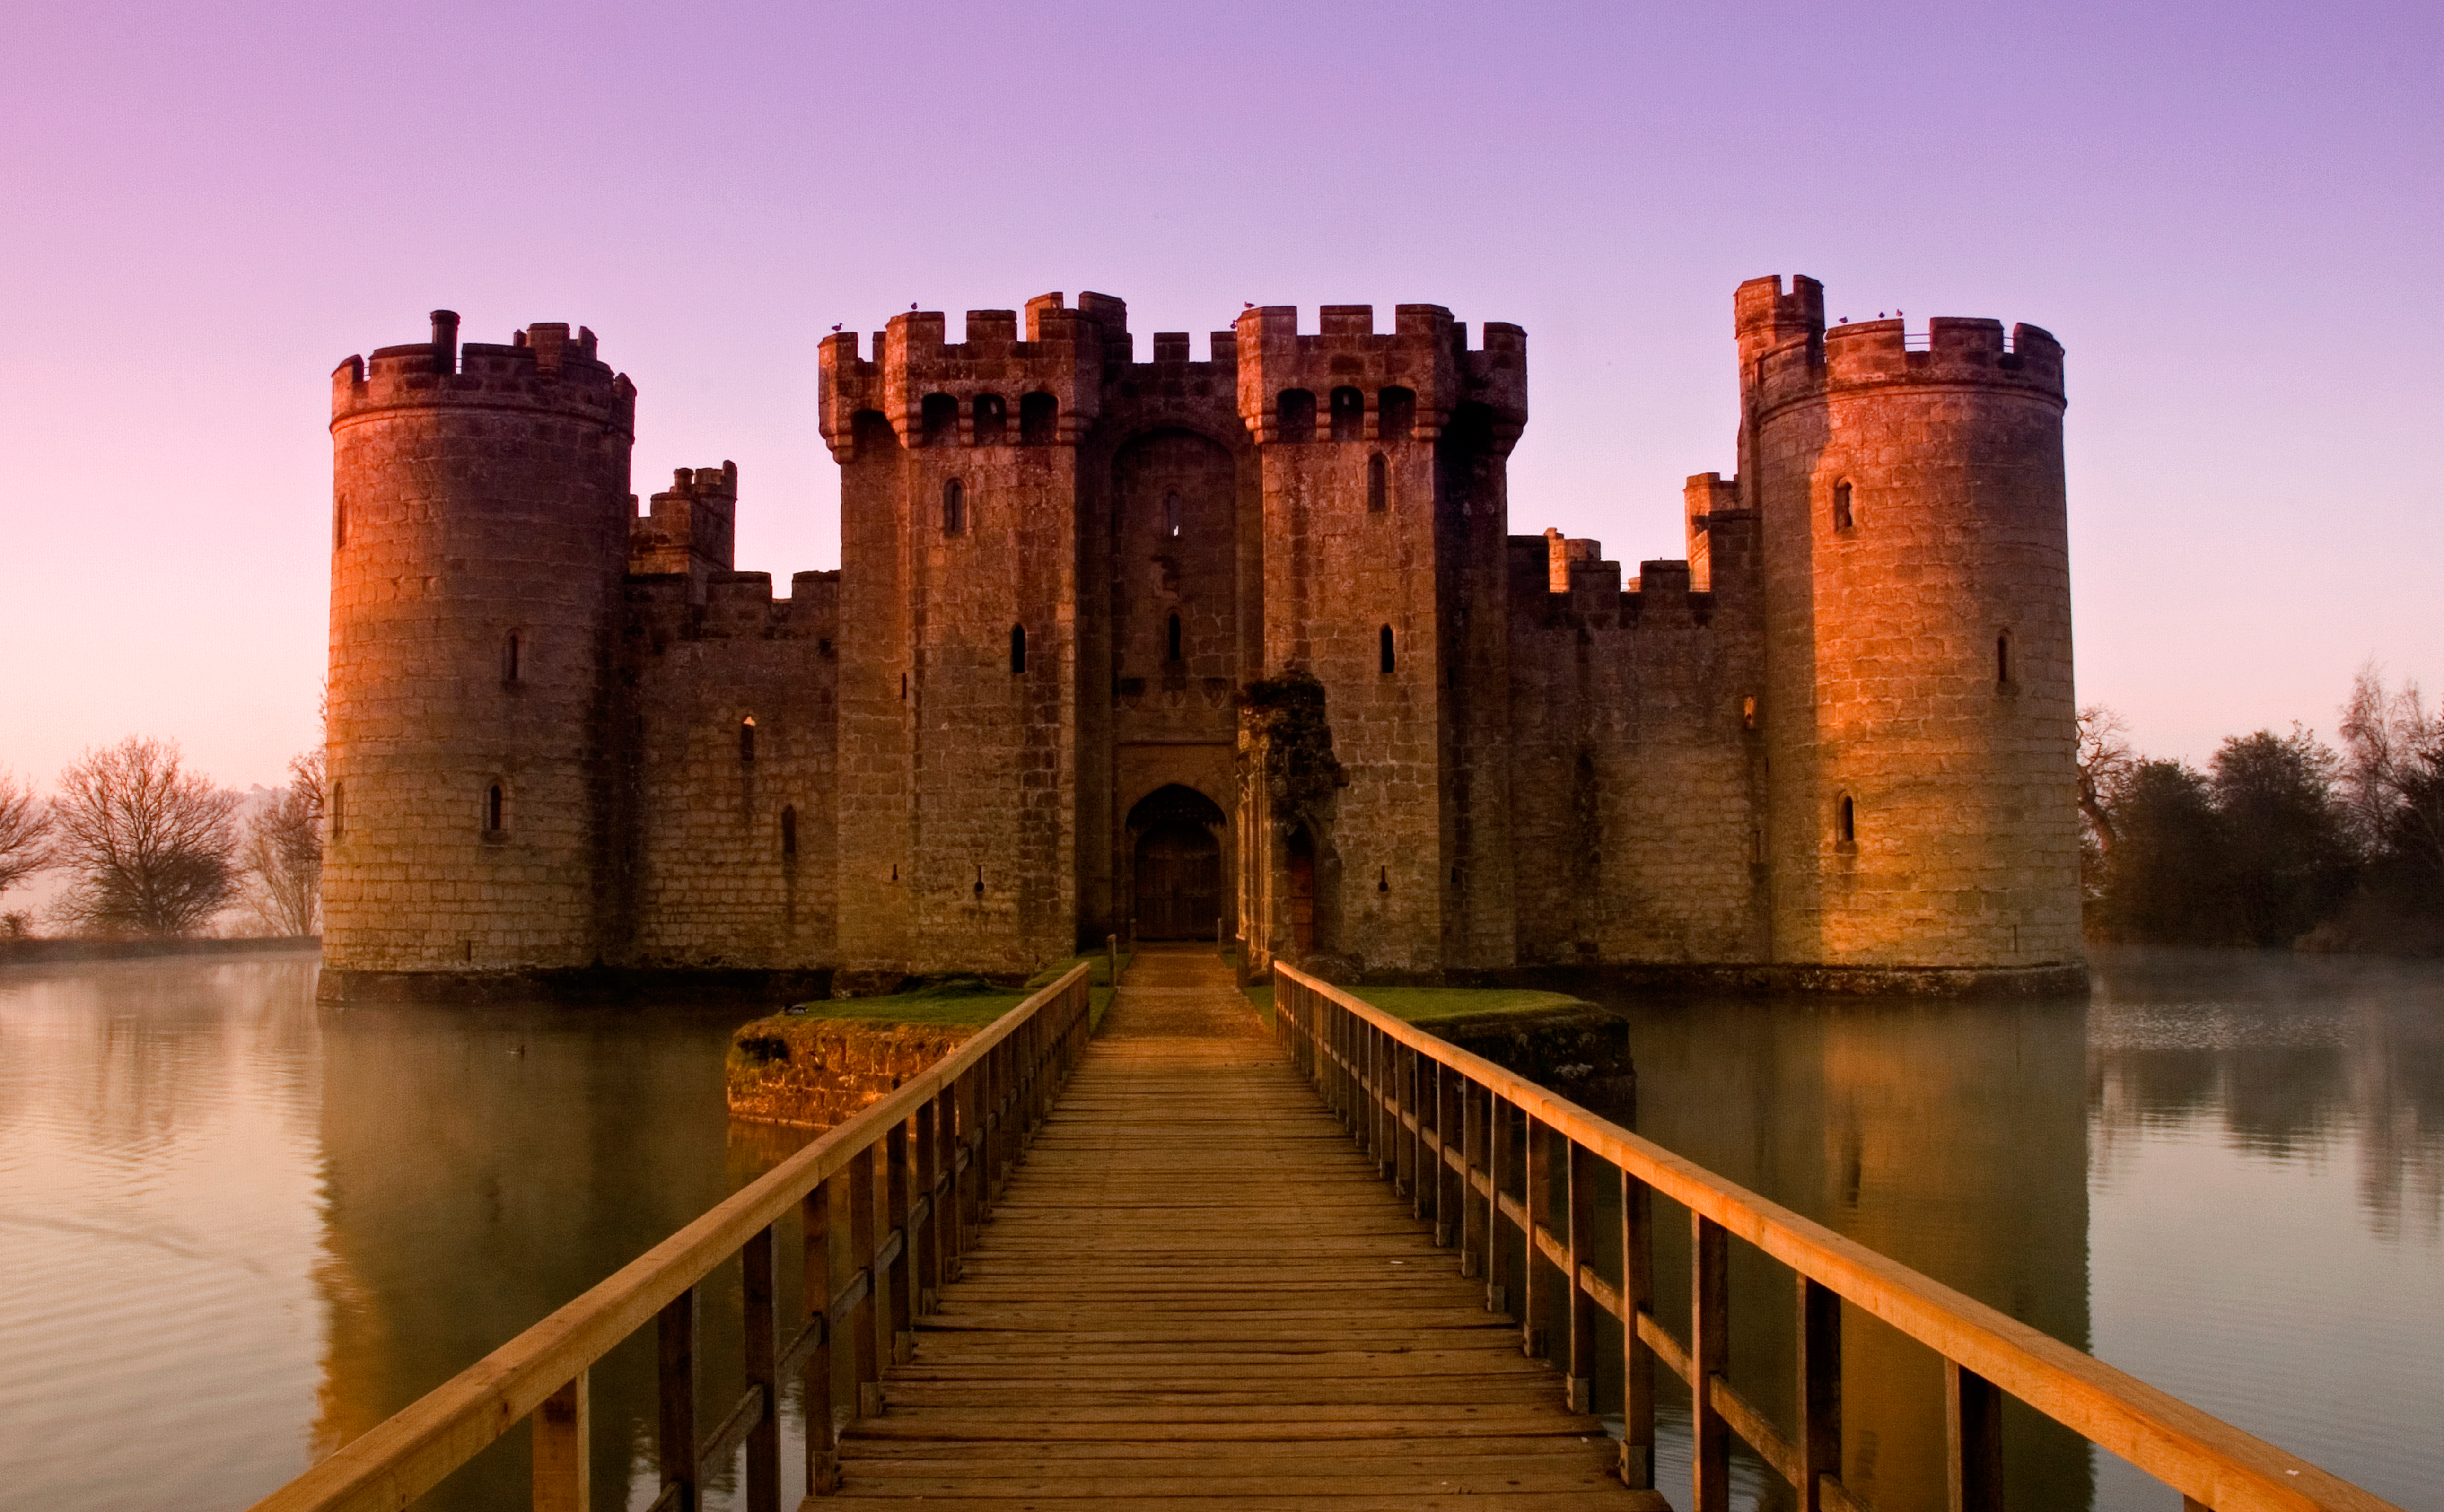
(2229, 216)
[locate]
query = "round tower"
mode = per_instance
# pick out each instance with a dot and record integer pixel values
(1919, 717)
(479, 532)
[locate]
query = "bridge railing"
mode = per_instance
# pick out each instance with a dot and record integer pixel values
(1509, 1173)
(889, 1200)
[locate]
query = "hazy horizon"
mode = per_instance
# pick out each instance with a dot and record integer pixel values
(214, 209)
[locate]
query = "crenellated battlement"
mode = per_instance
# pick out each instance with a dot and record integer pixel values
(995, 388)
(544, 367)
(1878, 354)
(733, 606)
(1363, 385)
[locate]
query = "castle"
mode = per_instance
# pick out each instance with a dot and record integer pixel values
(1164, 647)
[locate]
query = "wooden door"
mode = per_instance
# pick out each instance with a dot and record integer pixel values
(1178, 883)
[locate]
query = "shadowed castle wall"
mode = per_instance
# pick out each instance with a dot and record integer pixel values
(733, 842)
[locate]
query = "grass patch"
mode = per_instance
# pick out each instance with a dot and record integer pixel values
(965, 1002)
(1423, 1005)
(959, 1003)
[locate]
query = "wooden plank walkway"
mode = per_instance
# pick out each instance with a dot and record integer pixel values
(1197, 1294)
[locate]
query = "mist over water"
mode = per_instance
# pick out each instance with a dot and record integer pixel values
(237, 1228)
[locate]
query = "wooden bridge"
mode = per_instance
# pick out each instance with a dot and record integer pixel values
(1205, 1286)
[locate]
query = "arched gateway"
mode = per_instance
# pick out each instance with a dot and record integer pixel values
(1175, 850)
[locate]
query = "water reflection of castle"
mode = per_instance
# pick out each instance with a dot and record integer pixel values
(1952, 1138)
(484, 1168)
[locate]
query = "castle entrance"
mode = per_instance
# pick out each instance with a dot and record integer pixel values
(1176, 857)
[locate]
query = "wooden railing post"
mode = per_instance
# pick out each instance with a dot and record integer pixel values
(815, 1375)
(931, 1255)
(1471, 1207)
(1448, 1187)
(1408, 1114)
(563, 1464)
(1536, 1207)
(1709, 1355)
(675, 1354)
(1637, 1358)
(763, 1344)
(863, 1356)
(897, 1219)
(1820, 1392)
(1972, 1424)
(1579, 1392)
(1501, 1284)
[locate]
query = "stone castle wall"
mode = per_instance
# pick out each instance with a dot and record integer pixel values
(1062, 568)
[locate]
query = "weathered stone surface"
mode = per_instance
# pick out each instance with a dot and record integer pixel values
(817, 1073)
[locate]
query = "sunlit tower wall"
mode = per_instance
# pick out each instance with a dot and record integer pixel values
(1919, 710)
(959, 774)
(1384, 458)
(480, 524)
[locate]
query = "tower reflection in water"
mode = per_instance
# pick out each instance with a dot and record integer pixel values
(1951, 1136)
(484, 1166)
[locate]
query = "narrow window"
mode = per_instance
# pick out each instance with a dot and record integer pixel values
(1747, 713)
(1171, 652)
(1378, 489)
(2002, 662)
(510, 659)
(940, 420)
(493, 810)
(747, 739)
(340, 525)
(1348, 414)
(1841, 519)
(1395, 414)
(1845, 821)
(1018, 647)
(991, 416)
(1171, 515)
(1038, 417)
(955, 508)
(1295, 414)
(1383, 645)
(788, 831)
(339, 809)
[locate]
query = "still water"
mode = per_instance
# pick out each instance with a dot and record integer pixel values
(237, 1229)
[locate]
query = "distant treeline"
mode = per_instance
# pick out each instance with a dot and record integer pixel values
(2283, 841)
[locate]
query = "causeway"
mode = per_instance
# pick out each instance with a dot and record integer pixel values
(1195, 1293)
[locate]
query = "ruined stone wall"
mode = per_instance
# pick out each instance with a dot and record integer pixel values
(1919, 711)
(733, 839)
(479, 530)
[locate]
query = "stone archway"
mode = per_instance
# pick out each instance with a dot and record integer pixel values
(1175, 864)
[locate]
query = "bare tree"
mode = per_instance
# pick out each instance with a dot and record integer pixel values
(2392, 767)
(24, 832)
(149, 843)
(2105, 762)
(282, 854)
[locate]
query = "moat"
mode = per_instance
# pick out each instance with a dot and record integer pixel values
(240, 1228)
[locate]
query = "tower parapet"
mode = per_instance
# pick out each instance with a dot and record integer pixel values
(992, 388)
(1424, 362)
(1881, 354)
